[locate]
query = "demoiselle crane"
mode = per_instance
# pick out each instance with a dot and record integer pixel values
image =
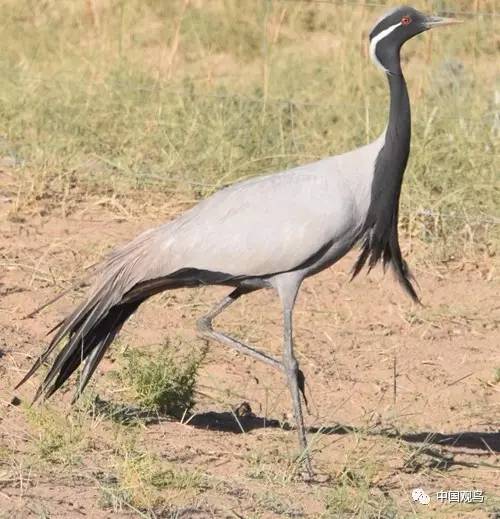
(268, 232)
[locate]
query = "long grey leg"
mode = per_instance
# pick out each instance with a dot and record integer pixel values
(289, 366)
(205, 329)
(295, 381)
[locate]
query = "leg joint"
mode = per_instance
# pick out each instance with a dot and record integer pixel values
(204, 325)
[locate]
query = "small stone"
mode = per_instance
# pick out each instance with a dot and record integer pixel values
(15, 401)
(243, 410)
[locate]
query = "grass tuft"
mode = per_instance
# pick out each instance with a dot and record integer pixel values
(58, 438)
(355, 494)
(162, 384)
(142, 481)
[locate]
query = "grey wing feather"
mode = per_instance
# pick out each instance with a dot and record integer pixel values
(255, 228)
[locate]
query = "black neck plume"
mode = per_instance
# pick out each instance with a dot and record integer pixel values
(379, 233)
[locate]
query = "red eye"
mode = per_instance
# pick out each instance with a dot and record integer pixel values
(406, 20)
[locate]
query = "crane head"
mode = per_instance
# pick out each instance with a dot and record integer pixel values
(394, 29)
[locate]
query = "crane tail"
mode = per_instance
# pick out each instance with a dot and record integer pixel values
(41, 359)
(88, 331)
(89, 336)
(88, 349)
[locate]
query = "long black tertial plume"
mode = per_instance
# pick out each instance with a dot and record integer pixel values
(92, 326)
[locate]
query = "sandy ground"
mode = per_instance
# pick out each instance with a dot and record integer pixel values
(415, 390)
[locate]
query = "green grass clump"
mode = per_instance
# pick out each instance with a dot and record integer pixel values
(142, 481)
(354, 495)
(57, 437)
(164, 383)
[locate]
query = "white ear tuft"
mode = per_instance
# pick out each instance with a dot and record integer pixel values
(376, 39)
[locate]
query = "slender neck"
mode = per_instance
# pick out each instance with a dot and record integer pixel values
(379, 233)
(398, 134)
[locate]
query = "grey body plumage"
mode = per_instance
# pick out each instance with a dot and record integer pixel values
(271, 231)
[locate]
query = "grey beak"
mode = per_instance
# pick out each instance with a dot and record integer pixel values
(438, 21)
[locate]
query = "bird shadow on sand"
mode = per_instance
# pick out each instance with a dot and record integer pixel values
(230, 422)
(243, 420)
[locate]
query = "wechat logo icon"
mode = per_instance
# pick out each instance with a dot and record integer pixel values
(419, 495)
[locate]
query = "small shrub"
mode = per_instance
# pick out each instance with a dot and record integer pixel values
(161, 382)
